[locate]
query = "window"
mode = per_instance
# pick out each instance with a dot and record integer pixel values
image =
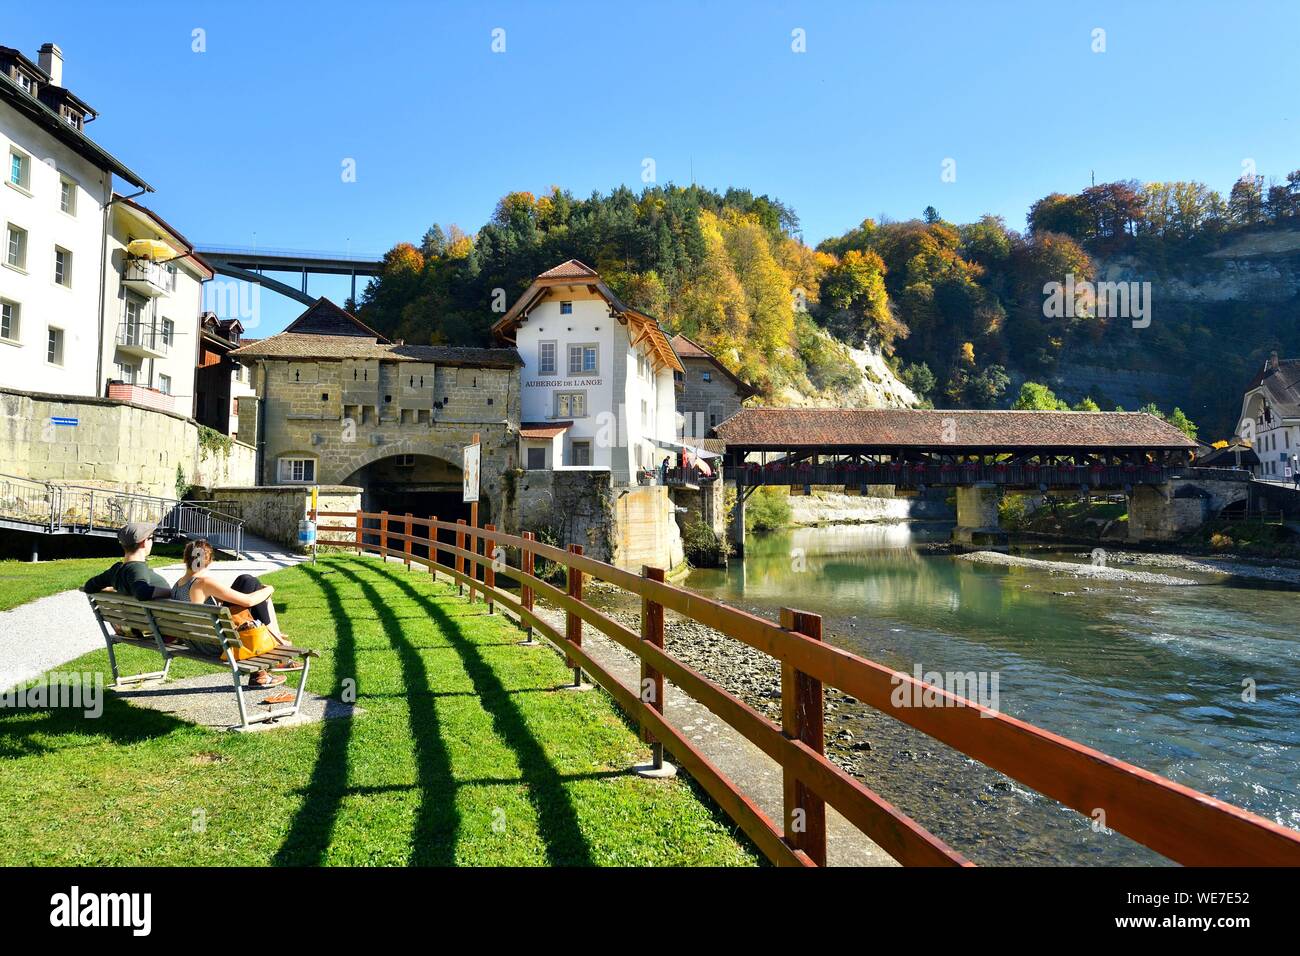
(536, 459)
(707, 376)
(54, 348)
(165, 384)
(24, 81)
(168, 331)
(62, 267)
(571, 405)
(546, 358)
(566, 308)
(297, 469)
(20, 169)
(126, 372)
(9, 316)
(581, 452)
(16, 246)
(582, 360)
(68, 196)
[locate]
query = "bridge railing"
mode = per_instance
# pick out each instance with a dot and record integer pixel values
(1174, 820)
(915, 474)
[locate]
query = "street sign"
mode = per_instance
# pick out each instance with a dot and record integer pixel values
(62, 421)
(470, 473)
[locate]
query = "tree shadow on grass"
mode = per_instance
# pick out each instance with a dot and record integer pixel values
(558, 824)
(313, 824)
(437, 824)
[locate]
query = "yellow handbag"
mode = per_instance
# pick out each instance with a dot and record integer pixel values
(254, 638)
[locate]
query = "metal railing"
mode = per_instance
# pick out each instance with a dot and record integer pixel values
(146, 270)
(142, 335)
(77, 508)
(1176, 821)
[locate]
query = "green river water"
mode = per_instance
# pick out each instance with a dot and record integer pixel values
(1152, 674)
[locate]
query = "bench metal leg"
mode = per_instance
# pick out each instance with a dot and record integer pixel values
(278, 713)
(239, 693)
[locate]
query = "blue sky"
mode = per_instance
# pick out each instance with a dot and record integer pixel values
(245, 142)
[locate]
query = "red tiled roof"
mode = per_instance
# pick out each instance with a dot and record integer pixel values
(689, 349)
(685, 348)
(940, 429)
(573, 269)
(542, 429)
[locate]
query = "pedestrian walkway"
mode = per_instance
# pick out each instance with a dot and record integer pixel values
(51, 631)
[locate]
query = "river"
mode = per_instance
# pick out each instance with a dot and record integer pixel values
(1152, 674)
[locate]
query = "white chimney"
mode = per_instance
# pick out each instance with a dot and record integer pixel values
(50, 60)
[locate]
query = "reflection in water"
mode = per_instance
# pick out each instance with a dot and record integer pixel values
(1148, 673)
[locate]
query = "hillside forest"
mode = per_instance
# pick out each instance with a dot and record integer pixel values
(957, 310)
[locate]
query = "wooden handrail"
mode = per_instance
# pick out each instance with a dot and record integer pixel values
(1176, 821)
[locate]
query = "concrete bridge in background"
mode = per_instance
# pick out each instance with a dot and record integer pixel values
(980, 454)
(250, 264)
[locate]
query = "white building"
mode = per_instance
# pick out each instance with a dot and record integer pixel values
(597, 383)
(83, 311)
(1270, 418)
(153, 296)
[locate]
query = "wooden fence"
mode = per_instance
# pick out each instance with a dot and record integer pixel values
(1176, 821)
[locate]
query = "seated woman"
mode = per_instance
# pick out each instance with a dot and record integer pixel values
(199, 586)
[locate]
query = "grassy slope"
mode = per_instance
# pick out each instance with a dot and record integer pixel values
(465, 755)
(23, 581)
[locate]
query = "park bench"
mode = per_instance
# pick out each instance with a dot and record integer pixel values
(199, 632)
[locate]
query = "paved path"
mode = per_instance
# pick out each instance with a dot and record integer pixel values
(53, 630)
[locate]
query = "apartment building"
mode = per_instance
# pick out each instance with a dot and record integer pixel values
(597, 383)
(98, 295)
(57, 185)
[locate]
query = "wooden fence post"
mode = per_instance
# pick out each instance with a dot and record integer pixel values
(360, 525)
(406, 545)
(383, 535)
(460, 558)
(803, 718)
(489, 569)
(573, 623)
(433, 546)
(652, 682)
(526, 589)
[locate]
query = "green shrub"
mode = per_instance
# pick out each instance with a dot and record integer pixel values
(1011, 512)
(768, 509)
(704, 549)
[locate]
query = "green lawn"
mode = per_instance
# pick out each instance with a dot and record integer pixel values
(23, 581)
(466, 755)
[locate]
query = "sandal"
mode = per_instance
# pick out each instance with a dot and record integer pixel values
(288, 666)
(283, 698)
(272, 680)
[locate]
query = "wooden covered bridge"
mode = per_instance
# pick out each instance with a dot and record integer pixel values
(979, 453)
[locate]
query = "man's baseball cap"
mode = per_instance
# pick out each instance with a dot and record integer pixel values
(135, 534)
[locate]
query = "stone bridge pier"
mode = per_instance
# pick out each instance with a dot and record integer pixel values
(977, 516)
(1167, 511)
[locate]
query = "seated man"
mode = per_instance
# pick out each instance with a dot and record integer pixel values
(132, 575)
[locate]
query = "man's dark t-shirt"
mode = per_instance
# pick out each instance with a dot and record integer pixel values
(133, 578)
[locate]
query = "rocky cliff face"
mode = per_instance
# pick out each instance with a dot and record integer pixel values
(1214, 318)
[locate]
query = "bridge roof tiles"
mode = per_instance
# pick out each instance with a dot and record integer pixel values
(839, 429)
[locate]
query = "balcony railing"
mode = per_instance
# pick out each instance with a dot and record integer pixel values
(148, 397)
(139, 338)
(148, 277)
